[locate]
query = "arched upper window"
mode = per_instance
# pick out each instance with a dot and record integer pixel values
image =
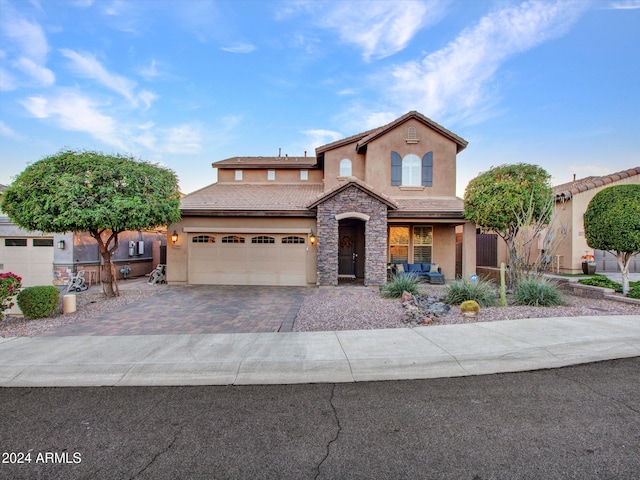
(345, 167)
(411, 170)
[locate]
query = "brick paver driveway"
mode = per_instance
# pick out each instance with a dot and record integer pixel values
(198, 309)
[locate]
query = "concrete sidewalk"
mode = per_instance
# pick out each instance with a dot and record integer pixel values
(343, 356)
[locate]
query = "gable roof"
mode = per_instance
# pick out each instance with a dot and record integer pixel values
(266, 162)
(356, 182)
(567, 190)
(362, 139)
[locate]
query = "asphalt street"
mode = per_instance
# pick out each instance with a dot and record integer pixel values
(580, 422)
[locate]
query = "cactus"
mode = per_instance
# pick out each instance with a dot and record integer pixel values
(470, 308)
(503, 286)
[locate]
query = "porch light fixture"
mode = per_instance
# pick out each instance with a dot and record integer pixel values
(61, 244)
(174, 237)
(312, 238)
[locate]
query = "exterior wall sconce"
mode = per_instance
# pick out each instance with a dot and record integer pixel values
(174, 237)
(312, 238)
(61, 244)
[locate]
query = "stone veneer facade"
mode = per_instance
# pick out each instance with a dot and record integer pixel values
(348, 201)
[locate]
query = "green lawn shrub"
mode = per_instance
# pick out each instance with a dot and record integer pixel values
(38, 302)
(634, 290)
(538, 293)
(461, 290)
(601, 281)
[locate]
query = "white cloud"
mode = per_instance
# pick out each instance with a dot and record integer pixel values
(626, 5)
(381, 29)
(239, 48)
(86, 65)
(27, 49)
(75, 112)
(39, 73)
(456, 81)
(183, 139)
(8, 132)
(318, 138)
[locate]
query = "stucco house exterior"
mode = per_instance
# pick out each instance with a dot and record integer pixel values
(572, 200)
(382, 196)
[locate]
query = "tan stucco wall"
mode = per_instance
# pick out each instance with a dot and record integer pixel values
(177, 260)
(250, 175)
(377, 163)
(571, 214)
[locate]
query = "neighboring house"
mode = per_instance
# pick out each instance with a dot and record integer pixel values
(383, 196)
(572, 200)
(43, 259)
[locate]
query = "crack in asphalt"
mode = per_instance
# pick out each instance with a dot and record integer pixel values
(335, 438)
(157, 455)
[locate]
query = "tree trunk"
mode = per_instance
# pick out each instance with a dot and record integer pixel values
(624, 263)
(106, 249)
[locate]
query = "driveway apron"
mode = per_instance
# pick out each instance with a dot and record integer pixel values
(198, 309)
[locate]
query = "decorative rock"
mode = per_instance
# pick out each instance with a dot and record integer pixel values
(422, 310)
(406, 296)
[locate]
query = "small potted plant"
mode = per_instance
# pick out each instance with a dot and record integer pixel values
(470, 308)
(588, 263)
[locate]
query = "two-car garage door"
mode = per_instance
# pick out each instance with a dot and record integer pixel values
(30, 258)
(247, 259)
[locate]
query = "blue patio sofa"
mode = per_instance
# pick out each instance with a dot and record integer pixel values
(429, 271)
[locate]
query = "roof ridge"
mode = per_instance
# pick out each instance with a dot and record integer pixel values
(589, 183)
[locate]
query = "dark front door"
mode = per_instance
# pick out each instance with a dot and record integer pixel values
(347, 255)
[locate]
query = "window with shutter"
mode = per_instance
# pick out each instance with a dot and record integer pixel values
(411, 170)
(396, 169)
(427, 169)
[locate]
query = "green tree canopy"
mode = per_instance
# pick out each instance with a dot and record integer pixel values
(85, 191)
(508, 199)
(612, 223)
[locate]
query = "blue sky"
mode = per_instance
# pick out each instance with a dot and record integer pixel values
(187, 83)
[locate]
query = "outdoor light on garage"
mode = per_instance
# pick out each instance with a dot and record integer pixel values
(174, 237)
(61, 244)
(312, 238)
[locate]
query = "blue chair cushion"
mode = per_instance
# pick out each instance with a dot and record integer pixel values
(413, 267)
(426, 267)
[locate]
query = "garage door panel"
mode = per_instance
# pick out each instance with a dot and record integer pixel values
(269, 261)
(33, 263)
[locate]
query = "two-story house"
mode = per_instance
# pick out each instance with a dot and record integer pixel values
(383, 196)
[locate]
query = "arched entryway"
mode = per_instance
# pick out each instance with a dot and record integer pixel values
(351, 249)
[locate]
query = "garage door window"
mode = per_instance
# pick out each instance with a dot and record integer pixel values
(293, 240)
(43, 242)
(15, 242)
(263, 239)
(232, 239)
(203, 239)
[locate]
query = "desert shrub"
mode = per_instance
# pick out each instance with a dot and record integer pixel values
(482, 291)
(538, 293)
(399, 284)
(601, 281)
(38, 302)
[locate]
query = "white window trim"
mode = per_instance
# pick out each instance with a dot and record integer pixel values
(238, 175)
(409, 170)
(346, 167)
(304, 174)
(271, 175)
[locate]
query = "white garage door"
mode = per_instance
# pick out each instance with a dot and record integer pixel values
(30, 258)
(241, 259)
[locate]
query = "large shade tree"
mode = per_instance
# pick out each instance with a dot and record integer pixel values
(612, 223)
(508, 200)
(86, 191)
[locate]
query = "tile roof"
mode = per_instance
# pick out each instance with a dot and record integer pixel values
(218, 198)
(266, 162)
(364, 138)
(567, 190)
(359, 184)
(429, 207)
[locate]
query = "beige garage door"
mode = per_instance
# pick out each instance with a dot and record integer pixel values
(31, 258)
(241, 259)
